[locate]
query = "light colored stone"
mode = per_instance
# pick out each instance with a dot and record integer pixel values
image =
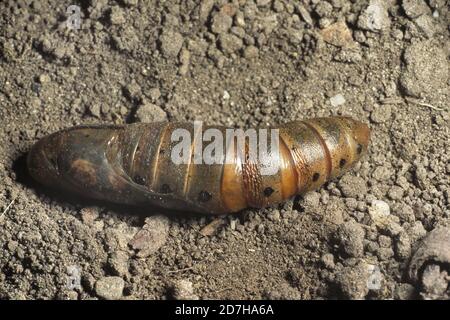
(110, 288)
(171, 43)
(415, 8)
(379, 210)
(338, 34)
(375, 17)
(230, 43)
(116, 16)
(152, 236)
(184, 290)
(251, 52)
(118, 263)
(426, 71)
(149, 112)
(337, 100)
(221, 23)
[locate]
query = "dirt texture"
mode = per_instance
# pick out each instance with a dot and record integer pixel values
(239, 63)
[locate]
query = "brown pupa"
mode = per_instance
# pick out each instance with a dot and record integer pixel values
(132, 164)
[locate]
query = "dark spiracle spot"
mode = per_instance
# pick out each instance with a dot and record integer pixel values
(204, 196)
(139, 180)
(316, 176)
(268, 191)
(165, 188)
(359, 148)
(342, 163)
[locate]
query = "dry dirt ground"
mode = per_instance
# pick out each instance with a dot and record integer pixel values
(378, 232)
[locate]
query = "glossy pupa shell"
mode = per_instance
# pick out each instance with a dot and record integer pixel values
(131, 164)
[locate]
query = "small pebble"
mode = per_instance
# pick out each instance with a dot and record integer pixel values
(337, 100)
(375, 17)
(385, 254)
(379, 210)
(94, 109)
(274, 215)
(44, 78)
(311, 200)
(116, 16)
(89, 214)
(183, 290)
(396, 193)
(353, 281)
(435, 281)
(417, 231)
(154, 94)
(405, 291)
(151, 237)
(352, 186)
(403, 246)
(328, 261)
(171, 43)
(149, 112)
(350, 237)
(304, 14)
(110, 288)
(381, 114)
(323, 9)
(118, 263)
(230, 43)
(221, 23)
(251, 52)
(415, 8)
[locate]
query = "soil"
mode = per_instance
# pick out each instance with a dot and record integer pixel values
(237, 63)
